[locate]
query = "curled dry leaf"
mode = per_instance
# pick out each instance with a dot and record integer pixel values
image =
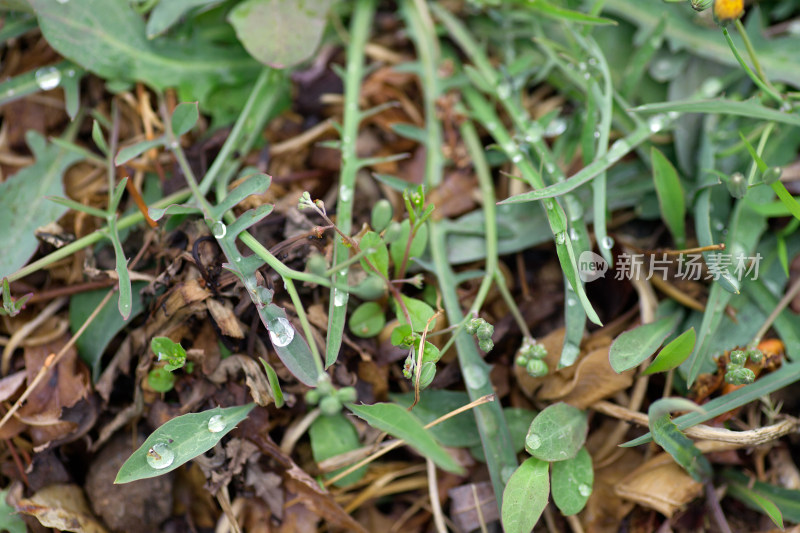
(660, 484)
(222, 313)
(253, 375)
(62, 507)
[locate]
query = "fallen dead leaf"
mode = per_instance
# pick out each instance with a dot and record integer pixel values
(659, 484)
(61, 507)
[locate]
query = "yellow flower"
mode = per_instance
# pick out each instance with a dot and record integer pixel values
(728, 10)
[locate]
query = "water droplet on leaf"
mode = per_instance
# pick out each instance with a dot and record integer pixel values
(281, 331)
(339, 297)
(561, 237)
(656, 123)
(556, 127)
(216, 424)
(607, 243)
(160, 456)
(219, 229)
(345, 193)
(48, 78)
(584, 490)
(533, 441)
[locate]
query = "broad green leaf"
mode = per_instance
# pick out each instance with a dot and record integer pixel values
(23, 203)
(670, 196)
(166, 14)
(184, 117)
(572, 482)
(331, 436)
(787, 500)
(418, 311)
(105, 326)
(180, 440)
(161, 380)
(674, 353)
(635, 345)
(459, 431)
(397, 248)
(367, 320)
(525, 496)
(557, 433)
(379, 256)
(135, 150)
(280, 33)
(398, 422)
(78, 30)
(668, 436)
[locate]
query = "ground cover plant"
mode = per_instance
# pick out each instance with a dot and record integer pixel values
(276, 265)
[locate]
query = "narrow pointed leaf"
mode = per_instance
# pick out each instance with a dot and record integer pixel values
(674, 353)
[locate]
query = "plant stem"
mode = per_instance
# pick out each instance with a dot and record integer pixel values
(756, 79)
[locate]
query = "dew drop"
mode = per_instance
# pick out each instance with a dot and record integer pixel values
(573, 234)
(596, 134)
(618, 149)
(48, 78)
(516, 158)
(533, 441)
(219, 229)
(571, 302)
(534, 133)
(711, 87)
(556, 127)
(491, 126)
(160, 456)
(550, 168)
(581, 66)
(345, 193)
(656, 123)
(339, 298)
(607, 242)
(584, 490)
(503, 91)
(281, 331)
(474, 377)
(62, 1)
(561, 237)
(216, 424)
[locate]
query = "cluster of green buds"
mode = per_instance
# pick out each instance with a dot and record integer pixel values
(330, 400)
(483, 331)
(737, 374)
(531, 357)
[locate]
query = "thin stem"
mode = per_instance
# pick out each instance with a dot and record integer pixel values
(793, 291)
(756, 79)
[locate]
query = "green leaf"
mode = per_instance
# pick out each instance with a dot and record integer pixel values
(748, 108)
(557, 433)
(166, 14)
(280, 33)
(184, 117)
(670, 196)
(635, 345)
(674, 353)
(77, 30)
(291, 347)
(525, 496)
(379, 257)
(274, 383)
(165, 349)
(161, 380)
(23, 203)
(397, 248)
(331, 436)
(756, 501)
(401, 334)
(135, 150)
(786, 198)
(367, 320)
(125, 300)
(519, 420)
(105, 326)
(459, 431)
(398, 422)
(40, 79)
(180, 440)
(572, 482)
(787, 500)
(418, 311)
(668, 436)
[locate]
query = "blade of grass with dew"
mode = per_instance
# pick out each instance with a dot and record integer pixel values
(495, 437)
(722, 106)
(337, 307)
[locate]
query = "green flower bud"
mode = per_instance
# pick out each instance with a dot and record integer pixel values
(521, 360)
(738, 358)
(312, 397)
(739, 376)
(381, 215)
(538, 351)
(771, 175)
(701, 5)
(330, 405)
(473, 325)
(408, 366)
(426, 374)
(536, 368)
(737, 185)
(347, 394)
(486, 345)
(485, 331)
(755, 355)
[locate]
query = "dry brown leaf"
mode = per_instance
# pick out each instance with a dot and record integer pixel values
(10, 384)
(253, 374)
(464, 501)
(222, 313)
(660, 484)
(605, 509)
(62, 507)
